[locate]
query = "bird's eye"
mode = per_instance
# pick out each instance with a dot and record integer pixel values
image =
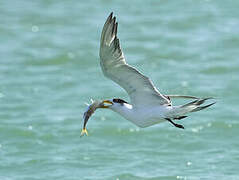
(119, 101)
(115, 100)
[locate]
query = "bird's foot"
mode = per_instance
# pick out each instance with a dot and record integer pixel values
(179, 126)
(175, 124)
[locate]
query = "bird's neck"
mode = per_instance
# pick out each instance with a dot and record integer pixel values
(124, 110)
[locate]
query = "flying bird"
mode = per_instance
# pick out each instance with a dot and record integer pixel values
(147, 105)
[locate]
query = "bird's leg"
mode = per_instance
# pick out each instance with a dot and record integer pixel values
(176, 125)
(180, 117)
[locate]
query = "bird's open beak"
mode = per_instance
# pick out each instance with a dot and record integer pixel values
(106, 104)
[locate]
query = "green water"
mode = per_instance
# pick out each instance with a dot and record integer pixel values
(49, 66)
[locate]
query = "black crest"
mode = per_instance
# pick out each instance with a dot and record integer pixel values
(121, 101)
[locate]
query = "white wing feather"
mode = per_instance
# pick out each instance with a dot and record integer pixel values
(139, 87)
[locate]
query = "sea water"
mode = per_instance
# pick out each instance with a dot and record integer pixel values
(49, 68)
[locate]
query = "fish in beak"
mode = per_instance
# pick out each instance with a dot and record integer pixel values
(90, 110)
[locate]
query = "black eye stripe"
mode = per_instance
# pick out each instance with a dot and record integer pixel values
(121, 101)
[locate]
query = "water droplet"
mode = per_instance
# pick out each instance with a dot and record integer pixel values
(70, 55)
(213, 167)
(1, 95)
(229, 125)
(102, 118)
(184, 83)
(86, 158)
(189, 163)
(35, 28)
(179, 177)
(131, 130)
(30, 127)
(209, 124)
(197, 129)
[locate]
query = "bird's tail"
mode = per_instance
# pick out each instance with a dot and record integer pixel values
(178, 112)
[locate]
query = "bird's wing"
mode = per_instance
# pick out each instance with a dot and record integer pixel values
(139, 87)
(183, 96)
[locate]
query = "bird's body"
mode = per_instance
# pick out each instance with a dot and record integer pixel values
(143, 116)
(147, 105)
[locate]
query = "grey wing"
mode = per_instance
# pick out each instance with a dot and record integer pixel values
(183, 96)
(139, 87)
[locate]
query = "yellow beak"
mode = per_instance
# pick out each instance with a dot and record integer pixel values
(106, 102)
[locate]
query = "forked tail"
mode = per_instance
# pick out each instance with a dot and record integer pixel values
(178, 112)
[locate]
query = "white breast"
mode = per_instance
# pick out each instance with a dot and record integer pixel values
(142, 116)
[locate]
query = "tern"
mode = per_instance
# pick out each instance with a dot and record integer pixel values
(147, 105)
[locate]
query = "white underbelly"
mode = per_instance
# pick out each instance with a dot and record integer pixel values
(144, 117)
(146, 122)
(147, 118)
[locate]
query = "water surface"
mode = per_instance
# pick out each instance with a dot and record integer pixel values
(49, 66)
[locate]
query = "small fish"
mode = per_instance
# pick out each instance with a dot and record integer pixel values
(90, 110)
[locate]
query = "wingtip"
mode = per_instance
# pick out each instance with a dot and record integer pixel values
(208, 98)
(116, 28)
(111, 15)
(212, 103)
(114, 19)
(109, 18)
(202, 107)
(209, 105)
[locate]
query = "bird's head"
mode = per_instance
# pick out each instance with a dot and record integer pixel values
(113, 103)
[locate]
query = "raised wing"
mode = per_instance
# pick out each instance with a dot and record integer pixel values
(139, 87)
